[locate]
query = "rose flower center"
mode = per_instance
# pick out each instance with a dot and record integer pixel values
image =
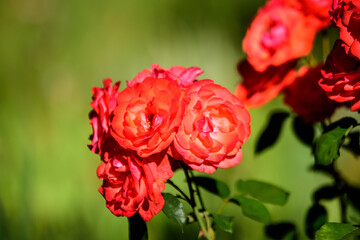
(275, 35)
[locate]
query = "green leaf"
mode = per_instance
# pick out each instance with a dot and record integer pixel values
(272, 131)
(174, 209)
(335, 231)
(353, 195)
(253, 209)
(327, 193)
(262, 191)
(137, 228)
(224, 222)
(304, 131)
(214, 186)
(354, 235)
(315, 218)
(328, 146)
(281, 231)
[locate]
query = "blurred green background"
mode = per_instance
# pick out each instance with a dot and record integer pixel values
(52, 52)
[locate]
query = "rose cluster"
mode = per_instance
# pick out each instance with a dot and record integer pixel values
(282, 32)
(163, 117)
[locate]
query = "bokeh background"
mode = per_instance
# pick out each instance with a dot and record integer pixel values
(53, 51)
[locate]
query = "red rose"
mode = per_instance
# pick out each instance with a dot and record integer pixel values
(258, 88)
(132, 184)
(341, 77)
(278, 34)
(184, 76)
(104, 103)
(148, 115)
(214, 127)
(306, 97)
(345, 14)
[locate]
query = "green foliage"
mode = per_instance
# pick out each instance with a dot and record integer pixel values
(335, 231)
(328, 145)
(174, 209)
(137, 228)
(214, 186)
(262, 191)
(272, 131)
(304, 131)
(327, 193)
(224, 222)
(252, 208)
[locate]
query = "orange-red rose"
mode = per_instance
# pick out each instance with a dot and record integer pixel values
(214, 127)
(148, 115)
(277, 35)
(341, 77)
(257, 88)
(306, 97)
(345, 14)
(132, 184)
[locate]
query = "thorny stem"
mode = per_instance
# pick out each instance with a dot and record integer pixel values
(179, 190)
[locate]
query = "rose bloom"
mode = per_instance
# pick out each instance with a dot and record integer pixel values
(104, 103)
(182, 75)
(341, 77)
(258, 88)
(277, 35)
(345, 14)
(148, 115)
(306, 97)
(132, 184)
(214, 127)
(318, 10)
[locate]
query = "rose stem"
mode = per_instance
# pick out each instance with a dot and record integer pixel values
(193, 204)
(179, 190)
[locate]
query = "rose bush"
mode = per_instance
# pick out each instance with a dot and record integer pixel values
(345, 14)
(258, 88)
(341, 77)
(142, 134)
(277, 35)
(214, 127)
(148, 115)
(306, 98)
